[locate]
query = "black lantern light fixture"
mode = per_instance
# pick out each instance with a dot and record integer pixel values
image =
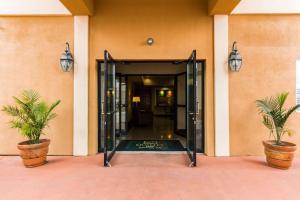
(235, 59)
(66, 59)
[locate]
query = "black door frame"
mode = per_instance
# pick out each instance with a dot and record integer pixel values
(174, 61)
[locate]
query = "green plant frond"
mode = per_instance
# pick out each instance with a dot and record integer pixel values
(49, 114)
(30, 96)
(272, 101)
(39, 110)
(26, 108)
(281, 98)
(54, 105)
(277, 117)
(52, 116)
(23, 104)
(16, 124)
(263, 106)
(290, 111)
(19, 101)
(268, 122)
(11, 110)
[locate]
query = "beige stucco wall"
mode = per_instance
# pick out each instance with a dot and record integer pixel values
(29, 59)
(31, 47)
(177, 26)
(270, 45)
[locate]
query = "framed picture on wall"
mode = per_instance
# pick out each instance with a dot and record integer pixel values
(164, 96)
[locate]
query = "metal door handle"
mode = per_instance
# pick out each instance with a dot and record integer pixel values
(197, 107)
(102, 108)
(197, 110)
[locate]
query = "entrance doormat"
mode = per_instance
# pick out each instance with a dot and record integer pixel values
(150, 145)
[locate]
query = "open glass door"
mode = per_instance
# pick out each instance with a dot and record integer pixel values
(109, 108)
(191, 107)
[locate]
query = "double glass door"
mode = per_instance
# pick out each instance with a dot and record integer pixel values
(114, 106)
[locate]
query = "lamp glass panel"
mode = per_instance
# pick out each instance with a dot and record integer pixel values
(64, 65)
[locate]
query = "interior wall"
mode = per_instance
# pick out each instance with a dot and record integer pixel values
(29, 59)
(177, 26)
(270, 46)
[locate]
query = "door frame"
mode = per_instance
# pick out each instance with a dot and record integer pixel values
(203, 74)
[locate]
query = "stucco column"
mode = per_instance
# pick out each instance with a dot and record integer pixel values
(81, 45)
(222, 146)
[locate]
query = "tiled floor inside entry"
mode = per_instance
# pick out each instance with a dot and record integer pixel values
(162, 129)
(148, 177)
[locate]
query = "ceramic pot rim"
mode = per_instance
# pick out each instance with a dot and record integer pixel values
(25, 146)
(286, 146)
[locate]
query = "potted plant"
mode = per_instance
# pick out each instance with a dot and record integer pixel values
(279, 153)
(30, 117)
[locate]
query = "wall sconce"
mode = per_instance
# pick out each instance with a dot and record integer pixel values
(235, 59)
(150, 41)
(66, 59)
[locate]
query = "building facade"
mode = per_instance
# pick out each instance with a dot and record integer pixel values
(31, 45)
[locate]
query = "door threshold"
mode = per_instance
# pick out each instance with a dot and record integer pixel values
(151, 152)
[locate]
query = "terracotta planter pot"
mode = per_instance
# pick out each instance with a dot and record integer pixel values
(279, 156)
(34, 155)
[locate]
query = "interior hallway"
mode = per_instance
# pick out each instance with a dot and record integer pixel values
(148, 177)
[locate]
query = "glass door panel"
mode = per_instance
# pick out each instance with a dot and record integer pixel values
(118, 106)
(191, 107)
(181, 104)
(200, 107)
(109, 108)
(123, 95)
(101, 81)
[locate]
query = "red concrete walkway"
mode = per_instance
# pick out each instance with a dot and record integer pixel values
(148, 177)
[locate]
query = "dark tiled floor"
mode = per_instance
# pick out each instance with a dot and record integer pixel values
(162, 129)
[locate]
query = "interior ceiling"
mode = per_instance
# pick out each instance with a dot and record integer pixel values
(150, 68)
(158, 80)
(153, 80)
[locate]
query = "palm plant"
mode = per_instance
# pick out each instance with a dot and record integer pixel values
(275, 116)
(30, 115)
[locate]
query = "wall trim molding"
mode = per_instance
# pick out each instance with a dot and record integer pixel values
(221, 86)
(81, 52)
(267, 7)
(33, 8)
